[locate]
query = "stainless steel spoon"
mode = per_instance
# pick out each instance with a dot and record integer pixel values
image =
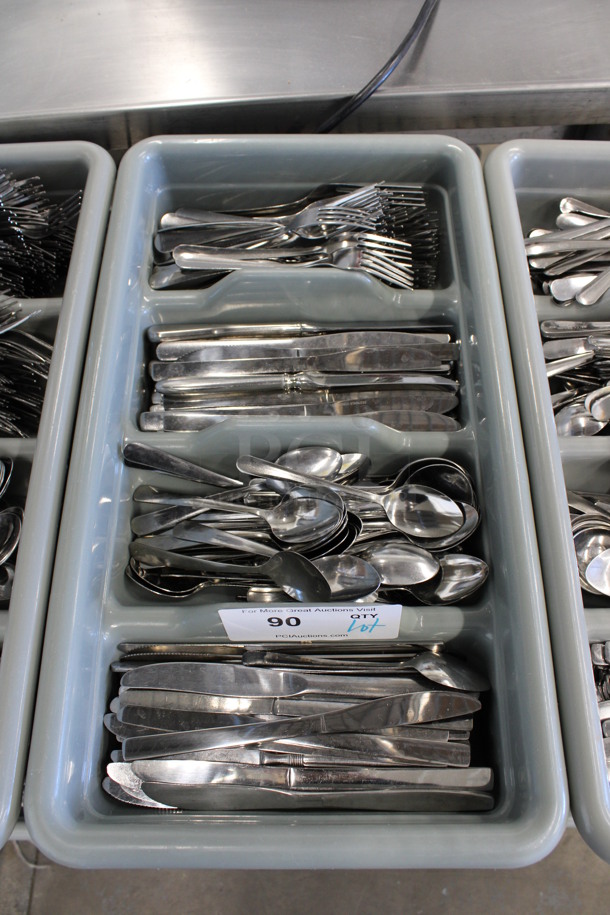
(461, 576)
(347, 578)
(295, 574)
(293, 520)
(135, 454)
(401, 564)
(317, 461)
(10, 532)
(575, 419)
(415, 510)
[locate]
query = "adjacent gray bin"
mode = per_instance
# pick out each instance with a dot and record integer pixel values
(93, 606)
(525, 181)
(41, 463)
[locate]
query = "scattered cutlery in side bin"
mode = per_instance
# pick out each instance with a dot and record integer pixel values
(388, 231)
(11, 518)
(572, 264)
(402, 378)
(590, 519)
(318, 539)
(577, 357)
(600, 657)
(243, 727)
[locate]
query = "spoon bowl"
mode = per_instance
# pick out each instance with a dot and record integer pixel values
(414, 510)
(575, 419)
(597, 573)
(449, 671)
(316, 461)
(349, 577)
(589, 541)
(10, 532)
(295, 574)
(400, 564)
(6, 472)
(460, 577)
(7, 574)
(294, 520)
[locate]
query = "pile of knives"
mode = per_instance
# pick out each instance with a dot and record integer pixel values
(204, 374)
(239, 727)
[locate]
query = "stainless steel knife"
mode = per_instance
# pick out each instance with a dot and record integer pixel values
(370, 716)
(195, 772)
(254, 682)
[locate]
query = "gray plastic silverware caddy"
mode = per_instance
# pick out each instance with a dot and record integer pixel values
(40, 463)
(525, 182)
(95, 607)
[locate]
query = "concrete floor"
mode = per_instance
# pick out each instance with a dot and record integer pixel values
(571, 880)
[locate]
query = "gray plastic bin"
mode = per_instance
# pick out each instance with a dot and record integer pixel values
(525, 181)
(94, 608)
(41, 463)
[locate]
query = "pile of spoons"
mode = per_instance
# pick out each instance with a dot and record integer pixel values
(11, 519)
(388, 231)
(321, 537)
(577, 355)
(213, 727)
(206, 374)
(572, 263)
(600, 657)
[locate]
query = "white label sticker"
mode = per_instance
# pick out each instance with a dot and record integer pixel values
(252, 623)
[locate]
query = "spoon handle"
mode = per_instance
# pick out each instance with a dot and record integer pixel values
(136, 454)
(260, 468)
(201, 533)
(148, 553)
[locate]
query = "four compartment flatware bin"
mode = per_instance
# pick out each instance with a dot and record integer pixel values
(94, 607)
(526, 180)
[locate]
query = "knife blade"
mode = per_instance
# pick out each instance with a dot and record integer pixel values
(195, 348)
(403, 420)
(385, 753)
(425, 799)
(373, 715)
(157, 333)
(254, 682)
(365, 398)
(304, 382)
(226, 705)
(364, 359)
(196, 772)
(302, 347)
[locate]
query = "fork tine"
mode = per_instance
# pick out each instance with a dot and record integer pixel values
(376, 267)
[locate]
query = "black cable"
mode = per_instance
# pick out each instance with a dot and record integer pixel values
(388, 68)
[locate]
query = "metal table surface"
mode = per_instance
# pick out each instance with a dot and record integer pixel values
(117, 71)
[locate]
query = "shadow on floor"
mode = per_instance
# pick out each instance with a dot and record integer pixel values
(571, 880)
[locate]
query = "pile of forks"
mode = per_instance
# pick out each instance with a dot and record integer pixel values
(390, 232)
(36, 237)
(227, 726)
(25, 360)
